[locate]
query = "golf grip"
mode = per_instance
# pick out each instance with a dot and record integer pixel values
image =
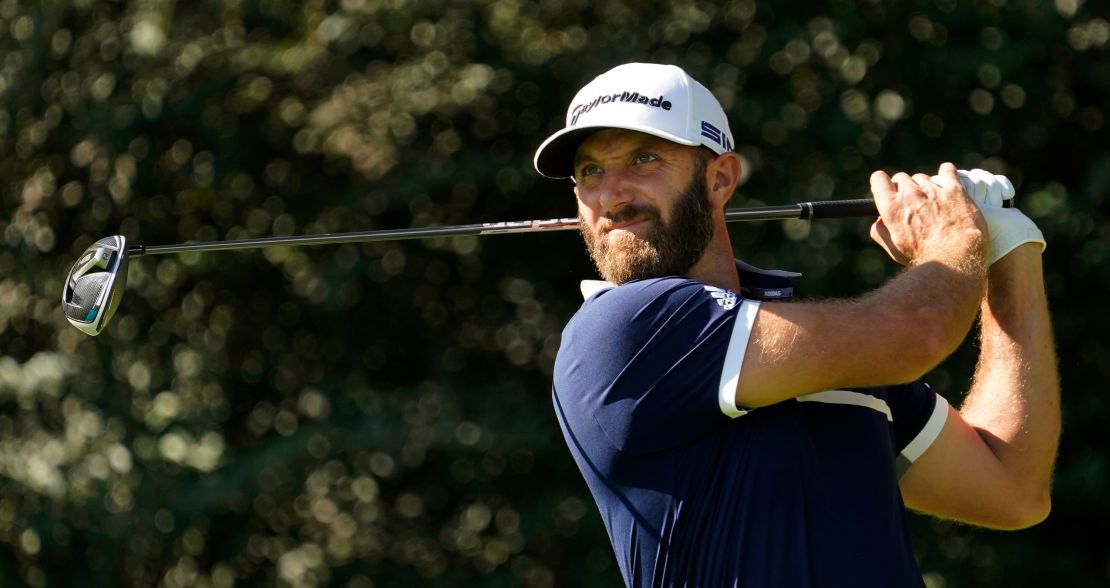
(864, 207)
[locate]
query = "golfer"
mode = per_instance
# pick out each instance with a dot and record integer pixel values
(733, 438)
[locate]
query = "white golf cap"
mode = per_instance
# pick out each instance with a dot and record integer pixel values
(661, 100)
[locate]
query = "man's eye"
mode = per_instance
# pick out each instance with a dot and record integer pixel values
(645, 158)
(589, 170)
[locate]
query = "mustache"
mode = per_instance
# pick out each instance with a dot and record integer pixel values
(626, 214)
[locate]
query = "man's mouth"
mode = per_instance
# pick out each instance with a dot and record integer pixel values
(629, 226)
(628, 223)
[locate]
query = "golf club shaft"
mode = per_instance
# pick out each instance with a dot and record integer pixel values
(804, 210)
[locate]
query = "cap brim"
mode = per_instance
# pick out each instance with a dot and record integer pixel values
(555, 157)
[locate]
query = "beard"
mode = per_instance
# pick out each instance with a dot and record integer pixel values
(666, 249)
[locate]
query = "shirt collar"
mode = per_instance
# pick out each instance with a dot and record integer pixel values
(755, 283)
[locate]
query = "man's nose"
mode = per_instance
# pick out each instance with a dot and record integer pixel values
(615, 190)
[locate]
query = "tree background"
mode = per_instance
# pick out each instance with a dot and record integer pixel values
(379, 414)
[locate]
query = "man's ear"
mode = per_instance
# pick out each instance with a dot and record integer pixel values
(722, 177)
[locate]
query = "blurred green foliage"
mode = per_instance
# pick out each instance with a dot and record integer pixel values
(379, 415)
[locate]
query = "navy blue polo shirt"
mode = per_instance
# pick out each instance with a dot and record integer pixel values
(695, 491)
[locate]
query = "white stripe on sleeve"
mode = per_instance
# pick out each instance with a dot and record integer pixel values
(929, 432)
(849, 397)
(734, 358)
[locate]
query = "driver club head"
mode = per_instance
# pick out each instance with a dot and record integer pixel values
(95, 283)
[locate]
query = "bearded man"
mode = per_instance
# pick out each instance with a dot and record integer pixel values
(732, 438)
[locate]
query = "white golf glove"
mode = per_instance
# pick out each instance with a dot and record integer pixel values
(1008, 227)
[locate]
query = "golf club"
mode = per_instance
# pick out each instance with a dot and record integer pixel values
(95, 283)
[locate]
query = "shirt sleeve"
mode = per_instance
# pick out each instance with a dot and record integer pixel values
(645, 362)
(919, 414)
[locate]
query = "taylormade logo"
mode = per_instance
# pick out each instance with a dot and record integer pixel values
(630, 97)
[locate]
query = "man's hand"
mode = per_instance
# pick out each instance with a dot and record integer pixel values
(985, 188)
(1008, 227)
(923, 217)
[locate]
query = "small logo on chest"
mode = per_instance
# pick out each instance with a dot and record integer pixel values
(725, 298)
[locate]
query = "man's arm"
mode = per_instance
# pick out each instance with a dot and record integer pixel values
(992, 463)
(895, 334)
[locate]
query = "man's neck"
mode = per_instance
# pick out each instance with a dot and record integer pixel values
(717, 266)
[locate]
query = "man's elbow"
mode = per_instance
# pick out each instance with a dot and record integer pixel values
(1024, 512)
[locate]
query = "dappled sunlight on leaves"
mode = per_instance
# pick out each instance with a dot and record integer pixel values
(378, 414)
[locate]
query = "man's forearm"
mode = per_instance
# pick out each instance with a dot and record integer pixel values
(1014, 400)
(941, 293)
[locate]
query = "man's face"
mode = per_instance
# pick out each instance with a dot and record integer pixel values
(643, 208)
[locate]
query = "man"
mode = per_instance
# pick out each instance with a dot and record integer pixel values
(730, 441)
